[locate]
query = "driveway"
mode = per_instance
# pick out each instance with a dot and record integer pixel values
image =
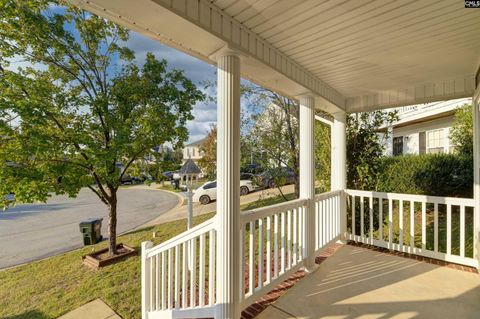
(33, 231)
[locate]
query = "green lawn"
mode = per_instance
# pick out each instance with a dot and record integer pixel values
(57, 285)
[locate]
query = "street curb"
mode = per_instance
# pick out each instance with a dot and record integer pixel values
(180, 198)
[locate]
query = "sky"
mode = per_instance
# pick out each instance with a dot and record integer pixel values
(199, 72)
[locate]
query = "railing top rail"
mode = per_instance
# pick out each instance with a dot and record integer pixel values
(326, 195)
(262, 212)
(181, 238)
(415, 198)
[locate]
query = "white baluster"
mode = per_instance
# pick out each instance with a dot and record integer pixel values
(435, 230)
(449, 229)
(412, 225)
(211, 268)
(269, 250)
(193, 270)
(251, 266)
(260, 253)
(462, 231)
(201, 279)
(424, 225)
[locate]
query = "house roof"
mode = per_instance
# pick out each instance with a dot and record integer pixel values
(426, 112)
(196, 143)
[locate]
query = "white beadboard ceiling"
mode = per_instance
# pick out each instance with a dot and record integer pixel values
(370, 53)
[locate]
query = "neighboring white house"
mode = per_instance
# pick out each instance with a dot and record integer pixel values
(192, 151)
(423, 128)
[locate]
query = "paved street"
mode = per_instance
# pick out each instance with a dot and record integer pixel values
(33, 231)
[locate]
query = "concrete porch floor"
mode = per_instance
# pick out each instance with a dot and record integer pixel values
(364, 284)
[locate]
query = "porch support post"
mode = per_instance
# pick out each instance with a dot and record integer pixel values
(476, 170)
(307, 173)
(338, 176)
(228, 189)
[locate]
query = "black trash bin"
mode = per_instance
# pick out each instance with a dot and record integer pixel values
(91, 230)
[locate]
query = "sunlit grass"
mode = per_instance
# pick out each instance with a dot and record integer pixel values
(54, 286)
(417, 225)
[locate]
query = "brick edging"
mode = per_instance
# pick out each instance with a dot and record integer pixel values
(415, 257)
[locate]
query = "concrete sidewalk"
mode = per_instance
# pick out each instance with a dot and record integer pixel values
(180, 212)
(96, 309)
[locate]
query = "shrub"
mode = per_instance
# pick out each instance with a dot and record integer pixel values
(428, 174)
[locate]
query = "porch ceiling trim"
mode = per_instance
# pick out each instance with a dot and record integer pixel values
(288, 78)
(427, 93)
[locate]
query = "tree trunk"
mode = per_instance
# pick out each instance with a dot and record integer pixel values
(112, 225)
(297, 188)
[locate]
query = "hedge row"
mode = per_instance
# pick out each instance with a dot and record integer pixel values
(429, 174)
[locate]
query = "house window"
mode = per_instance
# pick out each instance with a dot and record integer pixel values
(193, 152)
(436, 141)
(188, 152)
(398, 146)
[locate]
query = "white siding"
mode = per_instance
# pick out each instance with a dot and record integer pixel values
(410, 134)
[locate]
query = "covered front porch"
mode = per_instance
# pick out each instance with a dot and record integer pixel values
(340, 58)
(362, 283)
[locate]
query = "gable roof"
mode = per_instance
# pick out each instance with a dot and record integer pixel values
(189, 168)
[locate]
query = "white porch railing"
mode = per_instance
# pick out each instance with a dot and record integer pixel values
(428, 226)
(328, 228)
(178, 281)
(273, 247)
(178, 276)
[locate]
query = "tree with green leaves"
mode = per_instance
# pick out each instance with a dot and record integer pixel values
(208, 149)
(461, 133)
(81, 111)
(275, 134)
(365, 147)
(322, 153)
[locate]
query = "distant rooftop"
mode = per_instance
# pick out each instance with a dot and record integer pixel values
(422, 112)
(199, 142)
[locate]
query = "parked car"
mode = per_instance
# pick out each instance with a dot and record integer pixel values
(168, 175)
(247, 177)
(270, 178)
(128, 179)
(252, 169)
(208, 191)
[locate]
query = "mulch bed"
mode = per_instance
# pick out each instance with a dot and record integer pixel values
(101, 258)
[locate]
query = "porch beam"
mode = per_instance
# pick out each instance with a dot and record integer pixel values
(441, 90)
(228, 181)
(307, 172)
(201, 28)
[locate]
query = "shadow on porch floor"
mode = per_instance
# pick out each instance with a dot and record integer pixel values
(361, 283)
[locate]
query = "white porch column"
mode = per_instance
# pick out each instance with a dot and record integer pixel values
(476, 169)
(307, 172)
(228, 181)
(338, 173)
